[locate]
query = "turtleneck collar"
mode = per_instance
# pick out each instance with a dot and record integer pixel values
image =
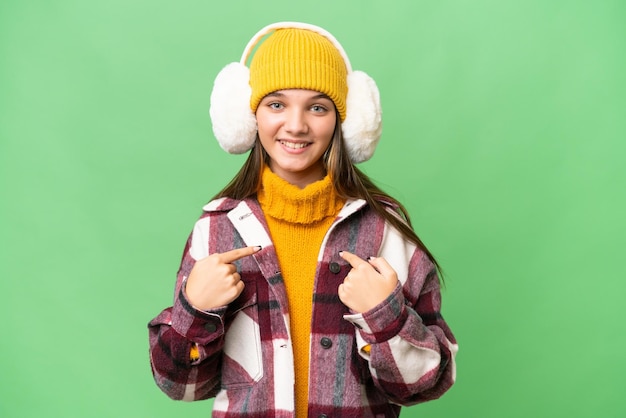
(282, 200)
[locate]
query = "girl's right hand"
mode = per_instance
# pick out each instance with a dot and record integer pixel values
(214, 280)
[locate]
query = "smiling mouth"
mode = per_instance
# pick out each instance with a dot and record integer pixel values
(295, 145)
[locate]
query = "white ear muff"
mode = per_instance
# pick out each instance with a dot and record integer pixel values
(234, 124)
(363, 124)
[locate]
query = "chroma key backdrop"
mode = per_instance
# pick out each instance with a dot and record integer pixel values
(504, 135)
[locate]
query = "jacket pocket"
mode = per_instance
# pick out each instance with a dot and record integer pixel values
(242, 360)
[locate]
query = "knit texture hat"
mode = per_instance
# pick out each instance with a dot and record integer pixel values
(298, 59)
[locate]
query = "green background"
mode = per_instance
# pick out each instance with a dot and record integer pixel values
(504, 134)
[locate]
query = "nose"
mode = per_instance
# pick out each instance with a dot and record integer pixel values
(295, 122)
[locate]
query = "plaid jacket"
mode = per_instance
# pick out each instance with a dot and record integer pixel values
(246, 359)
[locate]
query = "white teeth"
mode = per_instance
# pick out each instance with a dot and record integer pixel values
(293, 145)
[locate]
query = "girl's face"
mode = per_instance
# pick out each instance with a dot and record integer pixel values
(295, 128)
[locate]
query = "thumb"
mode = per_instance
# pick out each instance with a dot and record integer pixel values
(383, 267)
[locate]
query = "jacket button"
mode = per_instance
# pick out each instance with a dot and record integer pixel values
(326, 342)
(323, 416)
(334, 267)
(211, 327)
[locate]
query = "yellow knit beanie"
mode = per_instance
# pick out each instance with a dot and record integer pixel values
(294, 58)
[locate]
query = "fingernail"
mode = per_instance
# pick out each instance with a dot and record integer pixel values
(257, 248)
(341, 252)
(369, 258)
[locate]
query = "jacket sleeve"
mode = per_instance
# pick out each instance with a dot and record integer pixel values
(412, 350)
(177, 329)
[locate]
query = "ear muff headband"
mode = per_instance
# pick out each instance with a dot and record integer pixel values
(234, 124)
(294, 25)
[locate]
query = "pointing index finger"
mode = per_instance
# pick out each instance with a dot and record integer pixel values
(353, 259)
(238, 253)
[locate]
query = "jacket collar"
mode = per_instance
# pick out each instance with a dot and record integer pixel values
(248, 219)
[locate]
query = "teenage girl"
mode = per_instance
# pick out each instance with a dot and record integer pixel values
(303, 290)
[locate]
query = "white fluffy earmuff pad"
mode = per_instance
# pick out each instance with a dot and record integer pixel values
(362, 127)
(234, 124)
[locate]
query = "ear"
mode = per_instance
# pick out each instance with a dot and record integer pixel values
(363, 124)
(234, 124)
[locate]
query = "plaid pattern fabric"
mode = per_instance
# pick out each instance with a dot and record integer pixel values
(245, 356)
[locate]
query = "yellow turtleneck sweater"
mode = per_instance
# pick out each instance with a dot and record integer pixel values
(298, 219)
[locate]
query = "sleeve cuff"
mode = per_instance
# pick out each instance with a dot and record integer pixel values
(200, 327)
(383, 321)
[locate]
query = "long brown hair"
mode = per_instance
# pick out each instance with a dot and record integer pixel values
(348, 180)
